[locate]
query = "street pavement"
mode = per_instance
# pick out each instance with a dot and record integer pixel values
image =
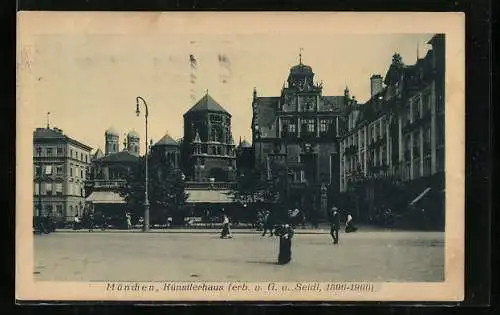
(200, 255)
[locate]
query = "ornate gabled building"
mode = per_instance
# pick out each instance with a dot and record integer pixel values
(209, 149)
(300, 130)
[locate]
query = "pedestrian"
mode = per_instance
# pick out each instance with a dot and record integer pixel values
(91, 222)
(268, 223)
(226, 232)
(285, 234)
(76, 222)
(335, 225)
(349, 226)
(129, 221)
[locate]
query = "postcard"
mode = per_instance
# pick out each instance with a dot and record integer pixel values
(240, 156)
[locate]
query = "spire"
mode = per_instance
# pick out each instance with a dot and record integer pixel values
(240, 141)
(254, 92)
(48, 120)
(418, 53)
(206, 92)
(125, 143)
(300, 55)
(346, 91)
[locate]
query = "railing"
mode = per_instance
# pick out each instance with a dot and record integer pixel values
(210, 185)
(101, 183)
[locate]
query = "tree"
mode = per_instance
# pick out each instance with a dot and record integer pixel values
(166, 190)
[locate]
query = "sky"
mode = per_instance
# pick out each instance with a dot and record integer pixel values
(89, 81)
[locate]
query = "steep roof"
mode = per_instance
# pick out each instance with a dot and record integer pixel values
(266, 115)
(331, 104)
(47, 134)
(207, 103)
(98, 154)
(167, 140)
(122, 156)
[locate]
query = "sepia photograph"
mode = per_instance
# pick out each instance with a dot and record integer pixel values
(246, 156)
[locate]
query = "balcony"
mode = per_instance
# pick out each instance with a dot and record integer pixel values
(376, 142)
(211, 185)
(107, 184)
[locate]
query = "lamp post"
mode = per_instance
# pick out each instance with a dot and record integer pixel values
(146, 200)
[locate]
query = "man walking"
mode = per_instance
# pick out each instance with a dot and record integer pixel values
(335, 225)
(268, 223)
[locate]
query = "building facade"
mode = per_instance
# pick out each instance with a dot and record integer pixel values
(109, 172)
(60, 169)
(399, 133)
(299, 130)
(209, 149)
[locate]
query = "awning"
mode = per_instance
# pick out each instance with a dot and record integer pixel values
(208, 196)
(414, 201)
(105, 197)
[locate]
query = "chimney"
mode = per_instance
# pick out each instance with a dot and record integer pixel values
(376, 84)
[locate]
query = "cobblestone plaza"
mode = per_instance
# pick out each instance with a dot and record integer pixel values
(370, 255)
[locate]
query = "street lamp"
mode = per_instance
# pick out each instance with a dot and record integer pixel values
(146, 200)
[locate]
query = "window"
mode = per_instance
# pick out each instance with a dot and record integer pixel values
(416, 168)
(86, 158)
(308, 126)
(417, 105)
(48, 170)
(426, 100)
(59, 151)
(70, 153)
(59, 170)
(48, 189)
(71, 171)
(48, 209)
(383, 153)
(81, 174)
(59, 210)
(59, 189)
(36, 190)
(292, 128)
(427, 166)
(49, 151)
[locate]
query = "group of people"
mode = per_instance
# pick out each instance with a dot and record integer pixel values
(285, 232)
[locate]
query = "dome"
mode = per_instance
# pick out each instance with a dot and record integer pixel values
(133, 134)
(112, 132)
(245, 144)
(301, 69)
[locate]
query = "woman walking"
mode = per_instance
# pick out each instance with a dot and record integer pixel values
(285, 251)
(225, 233)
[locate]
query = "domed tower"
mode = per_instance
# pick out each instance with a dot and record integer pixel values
(112, 138)
(301, 75)
(133, 143)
